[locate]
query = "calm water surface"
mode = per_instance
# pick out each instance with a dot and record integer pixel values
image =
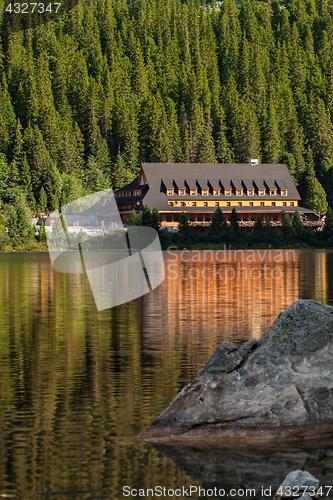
(78, 385)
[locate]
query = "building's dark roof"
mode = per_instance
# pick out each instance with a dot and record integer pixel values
(131, 185)
(270, 184)
(259, 183)
(191, 184)
(217, 175)
(214, 183)
(179, 183)
(248, 184)
(168, 184)
(281, 183)
(203, 183)
(237, 184)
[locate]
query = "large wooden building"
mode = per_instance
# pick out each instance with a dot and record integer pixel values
(198, 189)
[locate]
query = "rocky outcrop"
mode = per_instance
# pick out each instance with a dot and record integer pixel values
(277, 387)
(298, 484)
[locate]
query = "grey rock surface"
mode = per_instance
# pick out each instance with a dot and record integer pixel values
(277, 387)
(296, 484)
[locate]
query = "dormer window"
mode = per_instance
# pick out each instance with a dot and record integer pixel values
(137, 193)
(272, 192)
(227, 192)
(216, 192)
(170, 192)
(205, 192)
(193, 192)
(181, 192)
(250, 192)
(239, 193)
(261, 192)
(284, 192)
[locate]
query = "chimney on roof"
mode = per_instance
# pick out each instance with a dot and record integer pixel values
(253, 161)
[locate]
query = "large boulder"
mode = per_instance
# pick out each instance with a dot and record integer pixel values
(277, 387)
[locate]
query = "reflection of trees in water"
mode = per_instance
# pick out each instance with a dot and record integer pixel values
(75, 382)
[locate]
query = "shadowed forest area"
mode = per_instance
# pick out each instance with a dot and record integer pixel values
(87, 97)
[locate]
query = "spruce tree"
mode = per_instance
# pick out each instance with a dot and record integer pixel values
(155, 220)
(146, 215)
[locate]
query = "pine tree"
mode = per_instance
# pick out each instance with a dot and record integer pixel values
(155, 220)
(315, 196)
(184, 226)
(146, 215)
(22, 222)
(42, 200)
(297, 224)
(234, 225)
(218, 224)
(287, 228)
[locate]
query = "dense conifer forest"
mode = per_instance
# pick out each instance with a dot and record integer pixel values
(87, 97)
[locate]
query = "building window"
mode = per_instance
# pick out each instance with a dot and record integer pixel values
(182, 203)
(205, 204)
(193, 193)
(239, 203)
(261, 192)
(207, 217)
(239, 193)
(250, 193)
(169, 217)
(262, 203)
(291, 203)
(181, 192)
(170, 191)
(192, 217)
(217, 204)
(245, 217)
(272, 192)
(170, 203)
(273, 203)
(284, 204)
(194, 204)
(176, 217)
(199, 218)
(251, 203)
(205, 192)
(284, 192)
(228, 203)
(216, 192)
(227, 192)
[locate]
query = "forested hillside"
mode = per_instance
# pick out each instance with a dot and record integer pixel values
(86, 98)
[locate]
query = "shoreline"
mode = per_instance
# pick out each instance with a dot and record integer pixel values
(189, 248)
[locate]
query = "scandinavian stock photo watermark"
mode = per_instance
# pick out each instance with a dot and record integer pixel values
(227, 264)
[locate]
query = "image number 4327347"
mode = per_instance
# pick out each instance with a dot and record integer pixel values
(21, 15)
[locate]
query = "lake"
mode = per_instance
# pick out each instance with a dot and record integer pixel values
(78, 385)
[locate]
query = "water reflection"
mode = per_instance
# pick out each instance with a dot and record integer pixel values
(78, 385)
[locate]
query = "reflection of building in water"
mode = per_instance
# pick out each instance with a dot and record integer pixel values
(212, 297)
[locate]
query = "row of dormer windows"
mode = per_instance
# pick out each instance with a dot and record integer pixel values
(228, 204)
(227, 192)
